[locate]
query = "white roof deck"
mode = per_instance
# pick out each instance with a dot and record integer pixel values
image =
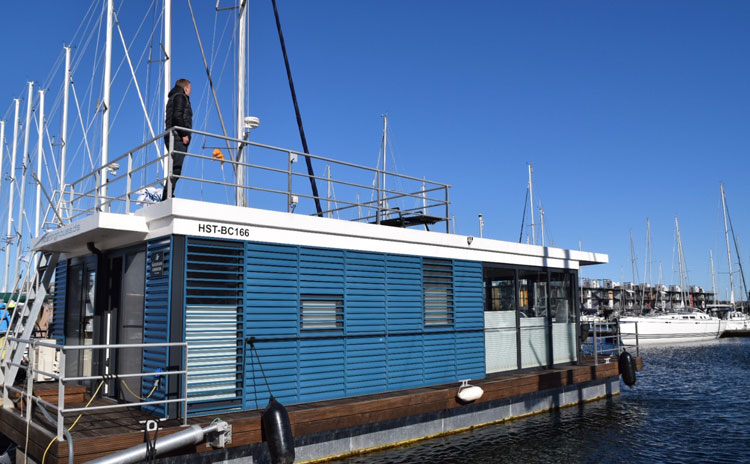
(198, 218)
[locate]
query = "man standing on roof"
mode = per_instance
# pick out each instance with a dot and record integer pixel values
(178, 113)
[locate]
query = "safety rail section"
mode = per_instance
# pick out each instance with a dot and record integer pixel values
(271, 181)
(67, 350)
(602, 340)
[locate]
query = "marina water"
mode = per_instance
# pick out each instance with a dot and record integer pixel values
(691, 403)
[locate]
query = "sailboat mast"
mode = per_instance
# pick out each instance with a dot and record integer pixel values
(713, 274)
(105, 106)
(25, 160)
(64, 135)
(729, 253)
(12, 188)
(39, 159)
(531, 200)
(681, 266)
(167, 67)
(241, 63)
(2, 146)
(632, 256)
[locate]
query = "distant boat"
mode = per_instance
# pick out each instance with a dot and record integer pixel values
(676, 327)
(680, 325)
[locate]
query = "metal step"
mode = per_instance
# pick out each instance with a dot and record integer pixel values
(24, 320)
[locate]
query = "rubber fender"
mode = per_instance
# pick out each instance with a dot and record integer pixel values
(278, 431)
(626, 364)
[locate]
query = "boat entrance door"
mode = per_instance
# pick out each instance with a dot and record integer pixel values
(122, 321)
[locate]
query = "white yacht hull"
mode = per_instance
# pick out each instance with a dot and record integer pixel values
(671, 328)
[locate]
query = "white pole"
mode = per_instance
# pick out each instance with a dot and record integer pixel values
(713, 274)
(105, 106)
(541, 220)
(64, 135)
(39, 158)
(531, 202)
(167, 65)
(424, 199)
(385, 158)
(241, 42)
(12, 188)
(729, 253)
(25, 160)
(2, 146)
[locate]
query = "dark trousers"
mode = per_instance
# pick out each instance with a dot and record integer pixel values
(177, 160)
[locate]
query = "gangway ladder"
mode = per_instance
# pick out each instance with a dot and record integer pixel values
(23, 320)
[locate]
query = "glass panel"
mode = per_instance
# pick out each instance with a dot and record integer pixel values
(500, 337)
(129, 360)
(563, 318)
(532, 307)
(322, 312)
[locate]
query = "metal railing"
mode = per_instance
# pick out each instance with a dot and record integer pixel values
(359, 193)
(62, 379)
(603, 340)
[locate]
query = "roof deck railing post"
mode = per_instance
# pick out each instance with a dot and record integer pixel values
(447, 212)
(289, 183)
(128, 182)
(380, 197)
(168, 186)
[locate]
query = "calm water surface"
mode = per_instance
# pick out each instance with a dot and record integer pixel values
(691, 403)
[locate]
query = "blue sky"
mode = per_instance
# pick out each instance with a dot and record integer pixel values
(627, 110)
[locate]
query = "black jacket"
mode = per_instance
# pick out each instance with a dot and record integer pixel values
(178, 112)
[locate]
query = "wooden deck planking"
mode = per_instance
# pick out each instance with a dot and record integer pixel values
(101, 433)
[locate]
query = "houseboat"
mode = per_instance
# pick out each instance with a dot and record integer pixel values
(176, 322)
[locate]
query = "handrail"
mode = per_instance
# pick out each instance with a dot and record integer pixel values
(361, 187)
(604, 340)
(62, 378)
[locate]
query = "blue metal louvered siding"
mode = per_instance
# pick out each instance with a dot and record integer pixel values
(214, 278)
(383, 345)
(58, 303)
(156, 322)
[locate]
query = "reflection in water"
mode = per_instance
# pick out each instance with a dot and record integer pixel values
(691, 404)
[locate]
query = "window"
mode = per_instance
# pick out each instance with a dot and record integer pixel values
(321, 312)
(437, 278)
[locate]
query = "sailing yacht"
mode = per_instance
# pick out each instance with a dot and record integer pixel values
(681, 324)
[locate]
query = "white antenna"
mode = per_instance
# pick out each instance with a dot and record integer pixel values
(541, 220)
(481, 226)
(531, 202)
(39, 159)
(105, 107)
(241, 42)
(64, 135)
(11, 187)
(729, 254)
(424, 199)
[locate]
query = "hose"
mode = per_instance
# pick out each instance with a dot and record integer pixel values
(44, 456)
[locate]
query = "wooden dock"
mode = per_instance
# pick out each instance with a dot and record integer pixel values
(100, 433)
